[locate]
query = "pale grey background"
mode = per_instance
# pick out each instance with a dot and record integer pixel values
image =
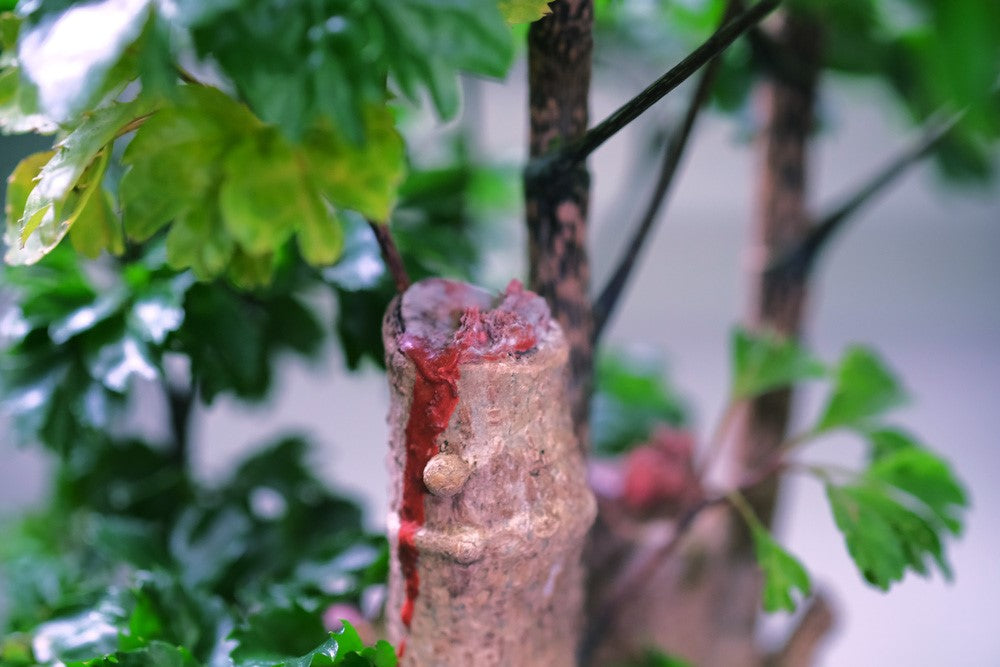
(916, 276)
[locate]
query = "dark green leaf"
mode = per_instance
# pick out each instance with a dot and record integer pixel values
(763, 362)
(864, 389)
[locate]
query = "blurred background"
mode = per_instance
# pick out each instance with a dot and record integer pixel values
(915, 276)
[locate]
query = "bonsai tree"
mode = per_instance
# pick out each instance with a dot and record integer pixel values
(217, 165)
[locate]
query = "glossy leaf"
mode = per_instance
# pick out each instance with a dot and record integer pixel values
(66, 183)
(764, 362)
(864, 389)
(68, 55)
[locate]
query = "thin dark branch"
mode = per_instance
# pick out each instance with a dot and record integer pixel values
(609, 297)
(799, 259)
(577, 151)
(180, 401)
(390, 255)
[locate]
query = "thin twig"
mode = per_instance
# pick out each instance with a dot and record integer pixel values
(801, 646)
(577, 151)
(180, 401)
(390, 255)
(799, 259)
(609, 297)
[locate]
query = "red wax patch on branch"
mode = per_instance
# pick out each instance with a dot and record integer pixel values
(446, 324)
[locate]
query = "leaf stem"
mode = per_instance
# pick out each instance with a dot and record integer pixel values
(390, 255)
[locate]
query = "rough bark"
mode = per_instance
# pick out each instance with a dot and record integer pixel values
(504, 504)
(556, 201)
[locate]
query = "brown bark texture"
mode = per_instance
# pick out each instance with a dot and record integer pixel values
(782, 220)
(506, 502)
(556, 200)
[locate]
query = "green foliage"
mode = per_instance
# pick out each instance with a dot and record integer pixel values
(864, 389)
(135, 560)
(292, 637)
(78, 339)
(764, 362)
(783, 573)
(439, 226)
(524, 11)
(631, 398)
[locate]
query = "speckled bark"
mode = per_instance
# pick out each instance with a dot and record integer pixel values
(556, 202)
(703, 602)
(499, 553)
(782, 219)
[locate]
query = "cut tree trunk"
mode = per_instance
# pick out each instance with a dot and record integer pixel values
(489, 501)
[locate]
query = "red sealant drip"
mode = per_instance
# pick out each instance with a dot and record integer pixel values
(510, 328)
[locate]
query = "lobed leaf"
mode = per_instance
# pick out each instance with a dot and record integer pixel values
(67, 182)
(763, 362)
(783, 573)
(864, 389)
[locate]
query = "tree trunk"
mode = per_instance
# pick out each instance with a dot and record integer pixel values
(702, 600)
(489, 500)
(556, 201)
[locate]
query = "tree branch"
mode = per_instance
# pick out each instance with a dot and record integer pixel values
(577, 151)
(798, 260)
(180, 402)
(609, 297)
(800, 648)
(390, 255)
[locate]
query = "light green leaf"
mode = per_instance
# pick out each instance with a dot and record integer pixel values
(783, 573)
(321, 238)
(199, 240)
(175, 158)
(762, 362)
(264, 194)
(864, 389)
(96, 227)
(363, 178)
(524, 11)
(67, 181)
(19, 184)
